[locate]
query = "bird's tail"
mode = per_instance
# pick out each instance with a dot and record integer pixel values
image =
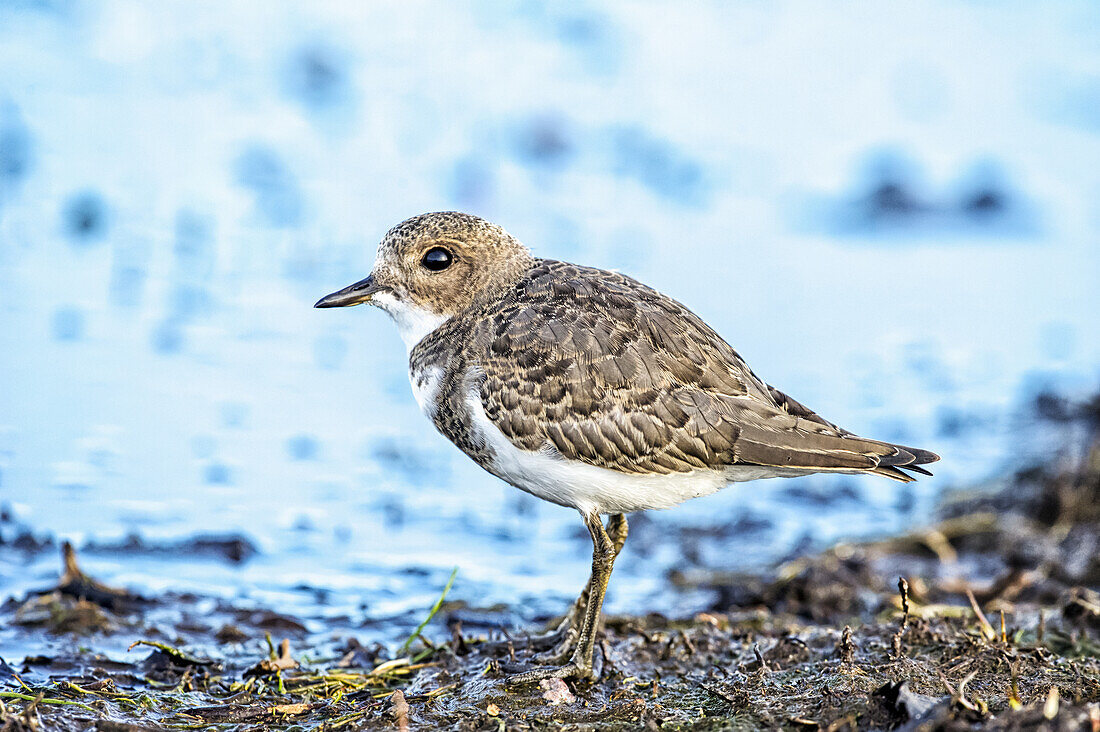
(905, 459)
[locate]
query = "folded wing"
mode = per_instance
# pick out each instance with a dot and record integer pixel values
(596, 367)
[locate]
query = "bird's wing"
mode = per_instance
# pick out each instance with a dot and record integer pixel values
(599, 368)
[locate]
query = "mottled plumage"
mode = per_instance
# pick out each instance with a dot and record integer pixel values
(594, 366)
(587, 388)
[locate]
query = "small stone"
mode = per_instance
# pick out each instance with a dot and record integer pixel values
(556, 691)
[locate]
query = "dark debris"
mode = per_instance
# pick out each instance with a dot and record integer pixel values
(828, 642)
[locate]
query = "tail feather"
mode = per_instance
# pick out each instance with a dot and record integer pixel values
(904, 459)
(918, 469)
(788, 435)
(920, 457)
(841, 453)
(894, 473)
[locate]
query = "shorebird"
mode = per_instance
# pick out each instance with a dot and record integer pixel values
(590, 390)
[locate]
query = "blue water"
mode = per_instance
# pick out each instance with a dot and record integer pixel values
(891, 212)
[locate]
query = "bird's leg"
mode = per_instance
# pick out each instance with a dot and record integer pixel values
(569, 629)
(604, 550)
(557, 645)
(616, 530)
(603, 561)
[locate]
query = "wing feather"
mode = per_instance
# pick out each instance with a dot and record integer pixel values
(625, 378)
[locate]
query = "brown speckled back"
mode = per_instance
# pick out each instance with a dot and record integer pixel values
(600, 368)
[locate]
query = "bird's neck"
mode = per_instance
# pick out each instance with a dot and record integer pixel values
(414, 323)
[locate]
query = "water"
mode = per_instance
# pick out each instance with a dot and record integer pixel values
(890, 213)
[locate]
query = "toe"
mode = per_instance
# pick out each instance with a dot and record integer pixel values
(568, 671)
(560, 653)
(539, 643)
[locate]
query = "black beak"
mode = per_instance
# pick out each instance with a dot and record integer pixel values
(355, 294)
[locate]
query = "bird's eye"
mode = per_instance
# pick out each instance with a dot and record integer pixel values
(437, 259)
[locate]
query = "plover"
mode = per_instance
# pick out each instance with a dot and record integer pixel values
(588, 389)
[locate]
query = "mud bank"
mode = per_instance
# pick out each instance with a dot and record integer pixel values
(987, 619)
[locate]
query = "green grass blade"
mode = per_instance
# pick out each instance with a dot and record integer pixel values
(435, 608)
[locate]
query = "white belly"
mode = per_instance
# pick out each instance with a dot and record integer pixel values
(582, 486)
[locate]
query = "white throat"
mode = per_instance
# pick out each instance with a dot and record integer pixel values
(413, 323)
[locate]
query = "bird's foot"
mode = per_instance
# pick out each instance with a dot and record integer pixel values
(570, 670)
(562, 650)
(581, 666)
(544, 642)
(554, 647)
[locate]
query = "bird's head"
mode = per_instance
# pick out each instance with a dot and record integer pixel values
(432, 267)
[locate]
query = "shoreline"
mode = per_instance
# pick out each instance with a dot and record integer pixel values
(987, 618)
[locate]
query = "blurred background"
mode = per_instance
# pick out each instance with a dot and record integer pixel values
(892, 212)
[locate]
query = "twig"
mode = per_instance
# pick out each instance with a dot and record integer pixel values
(962, 688)
(987, 629)
(759, 657)
(895, 642)
(960, 695)
(846, 648)
(75, 583)
(276, 663)
(173, 652)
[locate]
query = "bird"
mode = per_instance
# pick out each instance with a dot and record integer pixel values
(588, 389)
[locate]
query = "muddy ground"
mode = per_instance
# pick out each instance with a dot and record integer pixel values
(987, 619)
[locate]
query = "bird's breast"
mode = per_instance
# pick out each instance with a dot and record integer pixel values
(426, 381)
